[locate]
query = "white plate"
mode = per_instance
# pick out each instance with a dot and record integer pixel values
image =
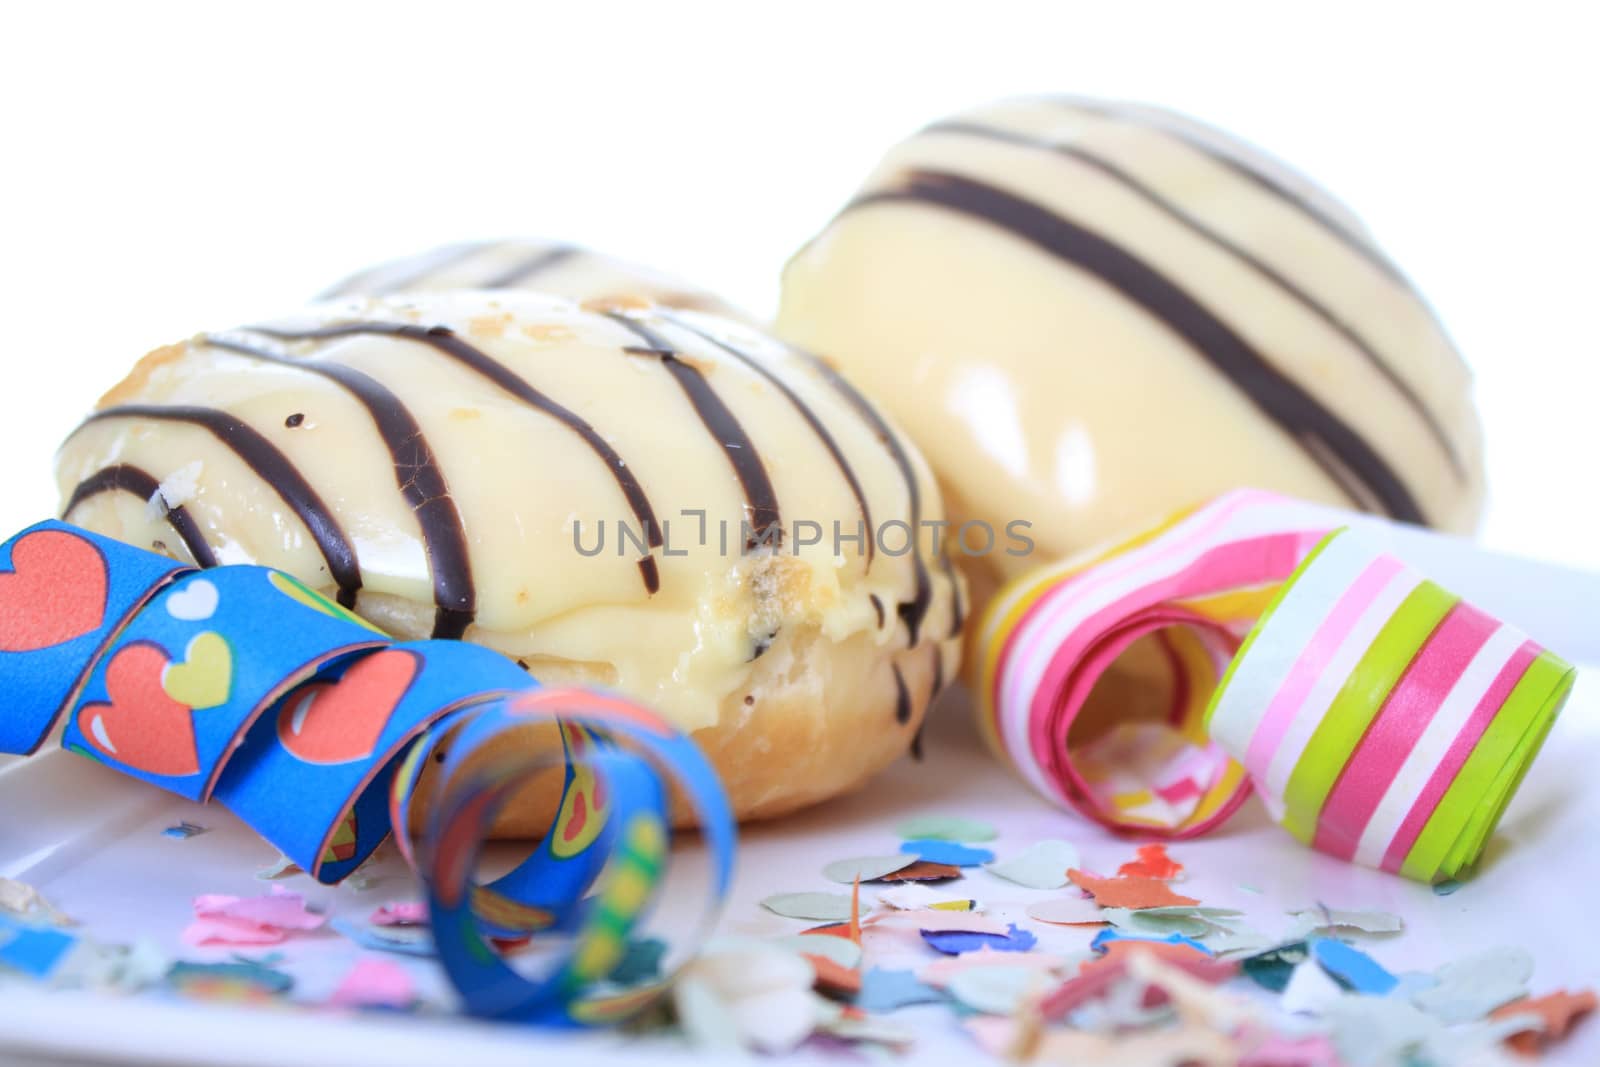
(91, 841)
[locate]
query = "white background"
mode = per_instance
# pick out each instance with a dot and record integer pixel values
(173, 168)
(166, 169)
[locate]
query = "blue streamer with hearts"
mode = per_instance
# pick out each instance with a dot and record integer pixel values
(243, 686)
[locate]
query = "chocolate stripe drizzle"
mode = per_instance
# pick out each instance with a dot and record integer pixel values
(1265, 270)
(444, 341)
(126, 478)
(1281, 399)
(761, 500)
(805, 412)
(272, 467)
(902, 697)
(1258, 176)
(416, 473)
(912, 611)
(531, 265)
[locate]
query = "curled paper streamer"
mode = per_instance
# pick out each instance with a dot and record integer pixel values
(1184, 594)
(1383, 719)
(1097, 674)
(243, 685)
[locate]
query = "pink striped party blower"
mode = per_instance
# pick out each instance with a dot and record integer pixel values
(1150, 685)
(1383, 719)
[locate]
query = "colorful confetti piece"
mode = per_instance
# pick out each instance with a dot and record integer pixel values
(948, 853)
(866, 868)
(1131, 893)
(835, 906)
(946, 828)
(1042, 865)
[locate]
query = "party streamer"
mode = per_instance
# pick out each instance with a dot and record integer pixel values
(1383, 719)
(243, 685)
(1072, 655)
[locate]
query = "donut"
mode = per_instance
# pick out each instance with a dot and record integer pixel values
(651, 500)
(1091, 314)
(540, 266)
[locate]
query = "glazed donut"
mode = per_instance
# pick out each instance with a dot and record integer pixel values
(1112, 312)
(648, 499)
(556, 267)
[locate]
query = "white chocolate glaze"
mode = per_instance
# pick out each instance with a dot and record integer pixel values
(1090, 314)
(453, 495)
(555, 267)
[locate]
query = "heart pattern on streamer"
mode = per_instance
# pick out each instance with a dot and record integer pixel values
(583, 809)
(141, 725)
(195, 602)
(340, 721)
(55, 592)
(205, 677)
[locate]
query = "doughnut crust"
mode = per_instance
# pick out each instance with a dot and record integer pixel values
(580, 488)
(1112, 312)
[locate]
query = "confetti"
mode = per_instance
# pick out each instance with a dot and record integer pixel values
(955, 942)
(400, 913)
(1242, 940)
(948, 853)
(994, 990)
(1132, 893)
(1310, 990)
(361, 881)
(1099, 975)
(840, 950)
(1105, 938)
(1271, 969)
(238, 980)
(1067, 911)
(886, 991)
(1378, 1031)
(923, 871)
(935, 921)
(1549, 1018)
(1153, 862)
(866, 868)
(1189, 984)
(1350, 967)
(1366, 922)
(26, 902)
(35, 951)
(282, 867)
(185, 830)
(834, 978)
(835, 906)
(833, 929)
(1159, 922)
(1042, 865)
(406, 940)
(706, 1021)
(879, 1031)
(938, 973)
(946, 828)
(1470, 988)
(911, 896)
(641, 962)
(1277, 1050)
(263, 920)
(758, 995)
(375, 984)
